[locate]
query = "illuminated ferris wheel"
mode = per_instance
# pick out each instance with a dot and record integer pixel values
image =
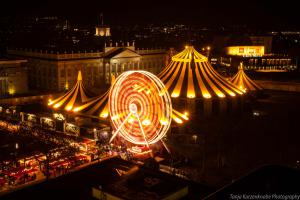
(140, 108)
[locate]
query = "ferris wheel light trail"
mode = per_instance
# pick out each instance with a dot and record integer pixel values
(117, 131)
(166, 147)
(133, 110)
(137, 116)
(140, 108)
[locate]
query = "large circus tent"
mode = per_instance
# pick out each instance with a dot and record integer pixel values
(190, 77)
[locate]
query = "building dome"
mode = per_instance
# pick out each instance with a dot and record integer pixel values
(190, 75)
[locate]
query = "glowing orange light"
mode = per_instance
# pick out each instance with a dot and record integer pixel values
(57, 105)
(177, 120)
(232, 94)
(164, 122)
(104, 115)
(246, 50)
(50, 102)
(207, 96)
(191, 95)
(68, 108)
(146, 122)
(145, 118)
(221, 95)
(175, 95)
(115, 117)
(131, 120)
(138, 151)
(76, 109)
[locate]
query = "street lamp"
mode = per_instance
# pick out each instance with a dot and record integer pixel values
(195, 138)
(208, 49)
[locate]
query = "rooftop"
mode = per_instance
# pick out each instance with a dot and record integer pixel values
(266, 180)
(78, 185)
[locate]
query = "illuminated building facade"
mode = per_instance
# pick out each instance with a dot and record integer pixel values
(221, 42)
(266, 62)
(246, 51)
(253, 51)
(102, 31)
(57, 71)
(13, 77)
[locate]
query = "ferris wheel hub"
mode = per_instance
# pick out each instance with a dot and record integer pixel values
(133, 108)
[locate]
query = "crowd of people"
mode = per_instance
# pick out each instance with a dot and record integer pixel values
(64, 165)
(55, 154)
(13, 173)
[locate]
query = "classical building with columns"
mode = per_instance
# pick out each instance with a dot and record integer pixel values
(57, 71)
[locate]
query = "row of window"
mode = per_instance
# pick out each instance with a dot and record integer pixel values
(271, 61)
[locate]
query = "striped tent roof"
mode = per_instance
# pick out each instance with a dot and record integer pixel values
(74, 97)
(242, 81)
(190, 75)
(98, 107)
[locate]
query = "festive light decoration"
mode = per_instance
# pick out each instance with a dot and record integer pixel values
(98, 106)
(76, 96)
(242, 81)
(190, 75)
(140, 109)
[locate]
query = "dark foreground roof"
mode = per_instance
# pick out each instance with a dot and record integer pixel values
(78, 185)
(267, 180)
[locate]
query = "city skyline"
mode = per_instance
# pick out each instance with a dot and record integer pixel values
(257, 14)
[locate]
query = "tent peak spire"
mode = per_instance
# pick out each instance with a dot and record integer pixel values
(79, 77)
(241, 66)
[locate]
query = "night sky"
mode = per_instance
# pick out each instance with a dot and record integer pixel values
(199, 12)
